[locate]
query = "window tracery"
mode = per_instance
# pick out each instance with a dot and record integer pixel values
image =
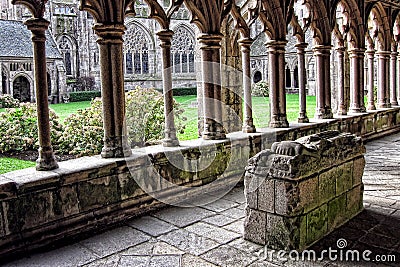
(136, 51)
(182, 51)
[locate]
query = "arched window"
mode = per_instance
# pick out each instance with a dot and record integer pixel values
(182, 51)
(136, 50)
(65, 46)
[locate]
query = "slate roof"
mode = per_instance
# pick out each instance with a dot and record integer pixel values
(15, 41)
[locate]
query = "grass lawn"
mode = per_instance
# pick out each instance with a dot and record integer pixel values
(10, 164)
(260, 112)
(65, 109)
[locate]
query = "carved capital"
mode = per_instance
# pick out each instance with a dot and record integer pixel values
(165, 37)
(108, 11)
(210, 41)
(38, 27)
(245, 44)
(36, 7)
(109, 33)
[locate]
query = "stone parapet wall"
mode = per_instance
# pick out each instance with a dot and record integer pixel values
(298, 191)
(90, 193)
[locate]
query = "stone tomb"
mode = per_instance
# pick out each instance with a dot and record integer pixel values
(299, 191)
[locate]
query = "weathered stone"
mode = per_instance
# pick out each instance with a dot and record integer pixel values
(317, 224)
(266, 195)
(344, 177)
(287, 198)
(98, 192)
(8, 188)
(255, 226)
(66, 201)
(327, 185)
(336, 216)
(354, 201)
(308, 194)
(358, 170)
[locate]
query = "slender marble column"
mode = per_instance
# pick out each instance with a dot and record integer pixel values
(170, 139)
(323, 85)
(210, 45)
(398, 80)
(302, 82)
(112, 89)
(393, 78)
(38, 27)
(248, 126)
(383, 101)
(342, 107)
(277, 93)
(357, 81)
(371, 73)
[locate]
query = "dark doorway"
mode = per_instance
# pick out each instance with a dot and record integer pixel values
(4, 82)
(22, 89)
(257, 77)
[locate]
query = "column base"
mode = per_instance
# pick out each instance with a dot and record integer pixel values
(371, 107)
(384, 105)
(303, 118)
(249, 129)
(46, 160)
(357, 110)
(322, 114)
(169, 142)
(279, 121)
(116, 147)
(341, 111)
(394, 103)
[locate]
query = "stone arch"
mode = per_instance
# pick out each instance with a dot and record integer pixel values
(138, 45)
(352, 25)
(378, 27)
(22, 87)
(273, 19)
(183, 49)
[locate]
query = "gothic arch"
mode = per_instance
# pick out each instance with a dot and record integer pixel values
(138, 44)
(378, 26)
(319, 21)
(67, 46)
(183, 49)
(22, 87)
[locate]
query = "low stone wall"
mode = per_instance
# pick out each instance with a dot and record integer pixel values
(90, 193)
(298, 191)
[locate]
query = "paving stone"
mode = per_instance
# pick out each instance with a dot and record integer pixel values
(228, 256)
(220, 205)
(237, 226)
(384, 241)
(189, 260)
(219, 220)
(236, 195)
(110, 261)
(212, 232)
(189, 242)
(153, 247)
(182, 217)
(74, 255)
(244, 245)
(234, 213)
(115, 240)
(150, 261)
(151, 225)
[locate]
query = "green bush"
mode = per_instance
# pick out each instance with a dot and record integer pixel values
(182, 91)
(260, 89)
(7, 101)
(83, 133)
(19, 128)
(83, 96)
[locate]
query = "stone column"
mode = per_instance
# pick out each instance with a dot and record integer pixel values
(112, 89)
(323, 85)
(170, 139)
(357, 81)
(292, 80)
(383, 101)
(38, 27)
(393, 78)
(371, 73)
(302, 82)
(248, 126)
(342, 107)
(277, 93)
(210, 45)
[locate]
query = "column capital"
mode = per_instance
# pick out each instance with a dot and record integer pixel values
(210, 41)
(370, 52)
(394, 54)
(246, 42)
(276, 45)
(383, 54)
(38, 27)
(109, 33)
(322, 49)
(165, 37)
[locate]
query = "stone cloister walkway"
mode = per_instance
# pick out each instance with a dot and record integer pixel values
(210, 235)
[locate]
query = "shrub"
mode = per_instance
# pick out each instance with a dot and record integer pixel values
(260, 89)
(7, 101)
(83, 96)
(83, 133)
(19, 128)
